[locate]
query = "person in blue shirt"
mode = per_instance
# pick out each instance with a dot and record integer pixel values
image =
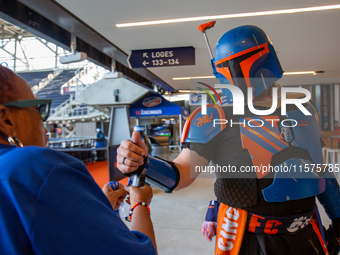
(49, 202)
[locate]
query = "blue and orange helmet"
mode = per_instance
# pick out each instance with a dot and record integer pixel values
(245, 57)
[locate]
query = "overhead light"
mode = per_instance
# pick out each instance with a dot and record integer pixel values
(75, 56)
(185, 91)
(229, 16)
(298, 73)
(112, 75)
(197, 77)
(72, 58)
(211, 77)
(195, 91)
(181, 97)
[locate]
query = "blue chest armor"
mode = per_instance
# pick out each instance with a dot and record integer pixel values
(288, 146)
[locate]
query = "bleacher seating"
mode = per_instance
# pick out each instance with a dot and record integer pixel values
(53, 89)
(58, 100)
(33, 78)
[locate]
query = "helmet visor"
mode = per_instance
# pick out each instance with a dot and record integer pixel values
(236, 68)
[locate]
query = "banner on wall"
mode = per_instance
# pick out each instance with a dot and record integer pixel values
(154, 105)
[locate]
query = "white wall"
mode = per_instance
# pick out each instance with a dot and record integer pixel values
(86, 128)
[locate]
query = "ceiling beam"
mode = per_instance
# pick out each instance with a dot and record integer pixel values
(30, 15)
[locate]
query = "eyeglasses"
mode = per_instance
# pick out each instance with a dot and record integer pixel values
(44, 105)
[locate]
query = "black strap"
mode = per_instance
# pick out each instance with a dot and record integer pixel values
(139, 169)
(288, 153)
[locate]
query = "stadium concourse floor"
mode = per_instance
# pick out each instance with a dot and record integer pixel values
(178, 217)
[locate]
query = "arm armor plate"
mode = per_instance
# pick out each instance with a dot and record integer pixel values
(161, 173)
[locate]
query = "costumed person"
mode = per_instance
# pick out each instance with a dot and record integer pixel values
(271, 211)
(49, 202)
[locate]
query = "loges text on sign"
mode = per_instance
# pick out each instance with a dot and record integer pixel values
(162, 57)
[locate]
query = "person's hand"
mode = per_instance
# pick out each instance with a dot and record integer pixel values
(133, 153)
(116, 197)
(142, 194)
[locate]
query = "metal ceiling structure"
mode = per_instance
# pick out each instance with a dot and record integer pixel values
(59, 27)
(9, 32)
(303, 41)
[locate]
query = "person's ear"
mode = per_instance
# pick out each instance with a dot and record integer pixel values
(7, 126)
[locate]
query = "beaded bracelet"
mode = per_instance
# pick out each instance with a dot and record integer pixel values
(135, 205)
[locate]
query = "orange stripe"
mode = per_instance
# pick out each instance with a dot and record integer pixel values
(269, 131)
(187, 124)
(240, 54)
(259, 154)
(263, 138)
(186, 129)
(248, 63)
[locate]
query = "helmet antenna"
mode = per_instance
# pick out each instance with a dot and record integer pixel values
(203, 28)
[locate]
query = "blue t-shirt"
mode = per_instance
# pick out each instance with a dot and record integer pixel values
(50, 204)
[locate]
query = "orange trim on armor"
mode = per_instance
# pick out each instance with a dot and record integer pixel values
(265, 45)
(248, 63)
(260, 156)
(192, 117)
(225, 71)
(245, 64)
(267, 129)
(263, 137)
(187, 124)
(185, 130)
(231, 224)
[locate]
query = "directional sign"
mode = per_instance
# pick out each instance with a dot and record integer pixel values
(178, 56)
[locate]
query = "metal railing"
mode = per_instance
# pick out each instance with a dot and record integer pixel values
(87, 76)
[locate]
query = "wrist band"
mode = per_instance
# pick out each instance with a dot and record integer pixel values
(135, 205)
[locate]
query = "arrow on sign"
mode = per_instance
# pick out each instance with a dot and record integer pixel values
(177, 56)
